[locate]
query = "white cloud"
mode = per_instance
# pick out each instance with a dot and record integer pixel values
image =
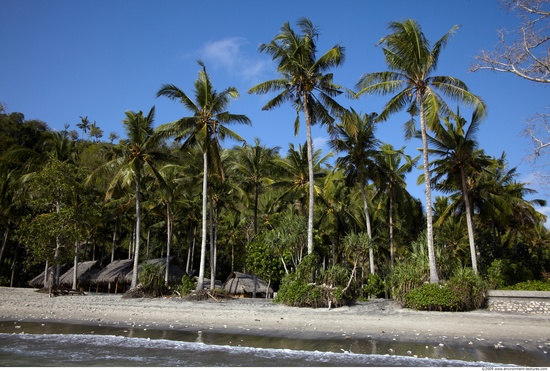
(228, 54)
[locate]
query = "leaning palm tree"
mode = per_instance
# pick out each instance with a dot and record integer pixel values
(205, 128)
(412, 61)
(459, 163)
(303, 82)
(356, 140)
(140, 156)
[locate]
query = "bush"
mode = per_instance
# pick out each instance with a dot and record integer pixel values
(374, 288)
(151, 278)
(504, 272)
(187, 285)
(468, 287)
(432, 297)
(298, 290)
(530, 286)
(405, 277)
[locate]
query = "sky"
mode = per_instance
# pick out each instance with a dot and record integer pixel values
(63, 59)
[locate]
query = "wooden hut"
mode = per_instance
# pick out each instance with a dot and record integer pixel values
(246, 285)
(175, 272)
(114, 274)
(85, 272)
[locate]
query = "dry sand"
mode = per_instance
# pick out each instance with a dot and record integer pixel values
(376, 319)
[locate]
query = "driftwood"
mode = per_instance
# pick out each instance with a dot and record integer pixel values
(57, 291)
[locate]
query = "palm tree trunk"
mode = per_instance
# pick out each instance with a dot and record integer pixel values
(200, 282)
(469, 220)
(138, 234)
(168, 242)
(114, 241)
(4, 241)
(311, 176)
(434, 278)
(75, 267)
(392, 258)
(212, 247)
(369, 230)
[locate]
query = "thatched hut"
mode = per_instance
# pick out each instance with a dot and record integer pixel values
(114, 274)
(175, 272)
(38, 281)
(85, 272)
(246, 285)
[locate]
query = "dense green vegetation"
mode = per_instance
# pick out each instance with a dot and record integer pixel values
(320, 230)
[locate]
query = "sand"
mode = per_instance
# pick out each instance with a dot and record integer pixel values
(377, 319)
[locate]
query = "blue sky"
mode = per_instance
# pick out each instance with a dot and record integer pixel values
(64, 59)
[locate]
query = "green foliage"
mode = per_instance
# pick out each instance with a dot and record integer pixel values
(151, 278)
(298, 290)
(469, 288)
(187, 285)
(375, 287)
(530, 286)
(432, 297)
(261, 260)
(504, 272)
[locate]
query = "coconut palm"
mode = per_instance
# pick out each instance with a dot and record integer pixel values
(254, 165)
(412, 61)
(204, 128)
(355, 137)
(396, 165)
(303, 82)
(459, 163)
(140, 157)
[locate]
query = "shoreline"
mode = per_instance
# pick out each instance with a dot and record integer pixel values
(378, 320)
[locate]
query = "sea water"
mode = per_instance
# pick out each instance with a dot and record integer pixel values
(59, 344)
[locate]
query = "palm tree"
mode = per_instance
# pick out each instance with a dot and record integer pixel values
(140, 156)
(459, 163)
(411, 62)
(392, 182)
(84, 125)
(205, 129)
(303, 82)
(254, 164)
(355, 137)
(294, 178)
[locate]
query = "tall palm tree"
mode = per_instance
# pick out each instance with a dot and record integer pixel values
(392, 183)
(294, 178)
(412, 61)
(459, 163)
(254, 165)
(355, 137)
(303, 82)
(204, 128)
(140, 156)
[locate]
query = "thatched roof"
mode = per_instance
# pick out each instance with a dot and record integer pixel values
(114, 272)
(85, 272)
(175, 271)
(244, 284)
(38, 281)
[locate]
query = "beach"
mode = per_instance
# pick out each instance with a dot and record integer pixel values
(378, 319)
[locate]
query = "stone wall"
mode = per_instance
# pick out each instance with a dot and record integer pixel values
(535, 302)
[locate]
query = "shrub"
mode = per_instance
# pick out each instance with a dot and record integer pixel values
(468, 287)
(374, 288)
(530, 286)
(187, 285)
(405, 277)
(504, 272)
(432, 297)
(151, 278)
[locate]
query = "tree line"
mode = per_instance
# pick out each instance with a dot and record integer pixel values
(176, 191)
